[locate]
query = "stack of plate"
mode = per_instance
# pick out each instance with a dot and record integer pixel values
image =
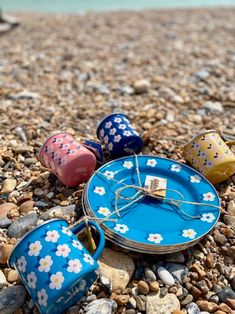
(151, 225)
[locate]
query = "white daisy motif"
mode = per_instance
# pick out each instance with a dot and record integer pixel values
(45, 264)
(117, 138)
(32, 280)
(121, 228)
(99, 190)
(108, 125)
(128, 164)
(66, 230)
(56, 280)
(52, 236)
(109, 174)
(77, 244)
(208, 196)
(22, 264)
(122, 126)
(151, 162)
(42, 297)
(176, 168)
(112, 131)
(155, 237)
(74, 266)
(106, 139)
(208, 217)
(63, 250)
(102, 132)
(117, 120)
(88, 259)
(35, 248)
(104, 211)
(189, 233)
(127, 133)
(110, 146)
(195, 179)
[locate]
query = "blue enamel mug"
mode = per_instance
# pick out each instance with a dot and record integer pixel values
(118, 135)
(54, 266)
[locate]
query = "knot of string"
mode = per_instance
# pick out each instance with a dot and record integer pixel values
(142, 192)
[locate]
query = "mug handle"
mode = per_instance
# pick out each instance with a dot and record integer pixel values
(82, 225)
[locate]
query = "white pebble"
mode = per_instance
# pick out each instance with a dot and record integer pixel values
(165, 276)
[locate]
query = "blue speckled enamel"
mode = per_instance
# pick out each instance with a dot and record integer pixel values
(118, 135)
(54, 266)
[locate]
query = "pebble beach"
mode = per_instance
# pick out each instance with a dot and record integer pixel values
(172, 72)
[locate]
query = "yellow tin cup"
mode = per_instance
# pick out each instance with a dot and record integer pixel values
(211, 155)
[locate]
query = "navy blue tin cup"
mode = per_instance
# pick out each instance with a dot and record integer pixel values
(118, 135)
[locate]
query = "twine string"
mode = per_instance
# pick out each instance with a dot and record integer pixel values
(142, 192)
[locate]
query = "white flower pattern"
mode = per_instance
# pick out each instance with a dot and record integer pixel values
(63, 250)
(117, 120)
(74, 266)
(151, 162)
(88, 259)
(110, 146)
(121, 228)
(127, 133)
(122, 126)
(22, 263)
(112, 131)
(66, 230)
(189, 233)
(207, 217)
(104, 211)
(208, 197)
(176, 168)
(42, 297)
(32, 280)
(195, 179)
(128, 164)
(108, 125)
(99, 190)
(35, 248)
(102, 132)
(106, 139)
(109, 174)
(77, 244)
(52, 236)
(117, 138)
(155, 238)
(45, 264)
(56, 280)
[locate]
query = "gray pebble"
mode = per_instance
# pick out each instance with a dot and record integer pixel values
(58, 210)
(131, 304)
(5, 222)
(12, 298)
(177, 257)
(187, 299)
(130, 311)
(149, 274)
(226, 293)
(216, 288)
(214, 298)
(104, 306)
(163, 292)
(193, 308)
(178, 271)
(19, 227)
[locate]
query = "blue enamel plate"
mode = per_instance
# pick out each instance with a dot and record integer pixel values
(147, 221)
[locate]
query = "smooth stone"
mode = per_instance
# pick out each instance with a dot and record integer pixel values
(213, 106)
(193, 308)
(231, 208)
(18, 228)
(12, 298)
(231, 303)
(229, 220)
(5, 208)
(104, 306)
(141, 86)
(149, 274)
(140, 303)
(177, 257)
(158, 305)
(154, 286)
(178, 271)
(130, 311)
(5, 222)
(117, 267)
(3, 280)
(202, 74)
(163, 292)
(165, 276)
(26, 95)
(5, 27)
(187, 299)
(121, 299)
(143, 287)
(26, 207)
(8, 186)
(58, 211)
(131, 304)
(220, 238)
(5, 250)
(226, 293)
(12, 276)
(207, 306)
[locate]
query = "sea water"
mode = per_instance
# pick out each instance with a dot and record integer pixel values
(76, 6)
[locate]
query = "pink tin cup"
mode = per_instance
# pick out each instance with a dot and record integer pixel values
(69, 160)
